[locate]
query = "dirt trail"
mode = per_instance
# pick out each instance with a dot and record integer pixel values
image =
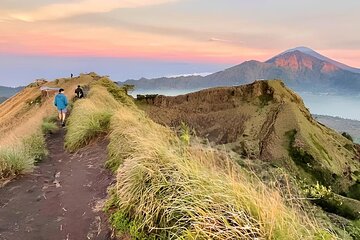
(61, 199)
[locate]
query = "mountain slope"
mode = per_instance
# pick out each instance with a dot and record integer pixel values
(264, 120)
(2, 99)
(317, 55)
(167, 188)
(300, 71)
(7, 92)
(341, 125)
(22, 114)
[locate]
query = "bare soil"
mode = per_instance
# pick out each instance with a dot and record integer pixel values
(61, 199)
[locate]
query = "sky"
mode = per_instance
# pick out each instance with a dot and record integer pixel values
(151, 38)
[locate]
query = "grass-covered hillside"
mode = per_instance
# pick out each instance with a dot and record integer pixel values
(24, 119)
(192, 183)
(342, 125)
(267, 121)
(9, 91)
(170, 186)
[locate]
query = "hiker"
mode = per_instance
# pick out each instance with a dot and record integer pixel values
(79, 92)
(61, 103)
(71, 75)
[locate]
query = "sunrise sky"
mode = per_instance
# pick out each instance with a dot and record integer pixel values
(130, 39)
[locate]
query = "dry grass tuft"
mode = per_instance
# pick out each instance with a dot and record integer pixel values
(18, 159)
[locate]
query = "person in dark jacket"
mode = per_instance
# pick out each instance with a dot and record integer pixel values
(61, 104)
(79, 92)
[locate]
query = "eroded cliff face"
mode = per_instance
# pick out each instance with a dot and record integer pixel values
(226, 115)
(263, 120)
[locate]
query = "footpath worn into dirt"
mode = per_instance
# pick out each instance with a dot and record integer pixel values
(61, 199)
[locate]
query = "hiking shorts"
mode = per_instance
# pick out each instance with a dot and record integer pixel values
(62, 110)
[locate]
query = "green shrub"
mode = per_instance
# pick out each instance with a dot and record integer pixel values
(265, 99)
(348, 136)
(354, 229)
(329, 201)
(185, 133)
(334, 205)
(349, 147)
(128, 88)
(318, 191)
(123, 225)
(354, 191)
(120, 222)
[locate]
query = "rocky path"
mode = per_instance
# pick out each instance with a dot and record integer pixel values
(62, 199)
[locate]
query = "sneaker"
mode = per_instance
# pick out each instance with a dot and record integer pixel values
(63, 124)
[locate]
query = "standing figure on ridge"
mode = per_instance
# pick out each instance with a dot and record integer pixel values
(79, 92)
(61, 103)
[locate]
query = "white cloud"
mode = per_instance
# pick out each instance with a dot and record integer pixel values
(219, 40)
(63, 10)
(190, 74)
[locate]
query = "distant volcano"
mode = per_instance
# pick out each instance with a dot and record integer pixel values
(317, 55)
(300, 68)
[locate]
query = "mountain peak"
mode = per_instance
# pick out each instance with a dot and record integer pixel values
(297, 60)
(310, 52)
(300, 49)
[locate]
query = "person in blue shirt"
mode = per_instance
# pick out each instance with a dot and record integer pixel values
(61, 103)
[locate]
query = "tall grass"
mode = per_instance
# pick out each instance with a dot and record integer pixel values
(49, 125)
(14, 161)
(177, 192)
(168, 189)
(35, 147)
(18, 159)
(90, 117)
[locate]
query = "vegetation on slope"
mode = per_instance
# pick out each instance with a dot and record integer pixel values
(264, 120)
(91, 116)
(180, 192)
(169, 189)
(24, 120)
(21, 158)
(22, 154)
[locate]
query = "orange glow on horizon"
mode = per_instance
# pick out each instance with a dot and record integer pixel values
(103, 42)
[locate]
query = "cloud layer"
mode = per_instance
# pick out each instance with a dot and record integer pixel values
(73, 8)
(223, 31)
